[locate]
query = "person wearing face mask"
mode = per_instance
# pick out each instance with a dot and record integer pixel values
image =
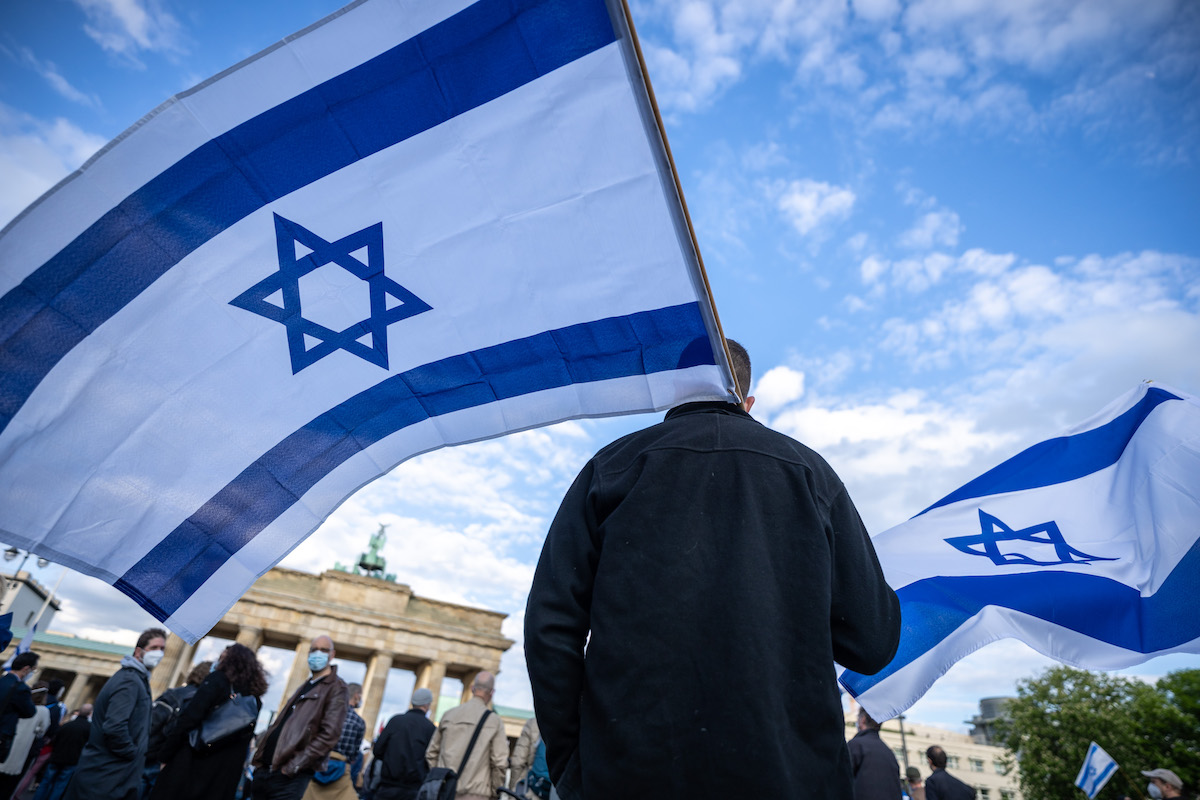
(110, 767)
(300, 739)
(338, 779)
(16, 700)
(1164, 784)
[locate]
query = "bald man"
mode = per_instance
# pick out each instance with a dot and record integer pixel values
(298, 742)
(483, 773)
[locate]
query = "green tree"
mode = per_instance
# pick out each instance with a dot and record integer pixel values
(1056, 715)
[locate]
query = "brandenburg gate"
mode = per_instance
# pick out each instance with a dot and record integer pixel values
(370, 618)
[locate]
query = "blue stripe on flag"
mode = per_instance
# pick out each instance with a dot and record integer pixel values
(483, 52)
(617, 347)
(1107, 611)
(1063, 459)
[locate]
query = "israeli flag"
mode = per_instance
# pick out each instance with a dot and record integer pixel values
(413, 224)
(1098, 767)
(1085, 547)
(24, 645)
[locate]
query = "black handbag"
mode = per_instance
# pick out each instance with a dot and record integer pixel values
(234, 716)
(442, 782)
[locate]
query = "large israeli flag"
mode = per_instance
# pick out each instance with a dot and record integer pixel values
(1085, 547)
(417, 223)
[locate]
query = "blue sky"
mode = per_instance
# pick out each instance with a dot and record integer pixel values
(944, 229)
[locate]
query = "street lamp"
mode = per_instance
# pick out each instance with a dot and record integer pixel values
(9, 555)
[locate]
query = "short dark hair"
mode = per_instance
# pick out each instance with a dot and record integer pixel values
(741, 366)
(56, 686)
(23, 660)
(867, 720)
(353, 688)
(148, 634)
(937, 756)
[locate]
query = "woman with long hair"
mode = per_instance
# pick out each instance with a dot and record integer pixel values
(210, 775)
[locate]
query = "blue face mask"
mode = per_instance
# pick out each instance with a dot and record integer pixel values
(317, 661)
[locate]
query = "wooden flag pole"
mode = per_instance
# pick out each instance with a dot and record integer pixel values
(662, 131)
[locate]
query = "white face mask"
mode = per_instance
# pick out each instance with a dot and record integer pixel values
(151, 658)
(1154, 791)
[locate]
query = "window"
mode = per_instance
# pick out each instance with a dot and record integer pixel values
(1000, 768)
(1005, 794)
(984, 793)
(976, 764)
(899, 751)
(951, 762)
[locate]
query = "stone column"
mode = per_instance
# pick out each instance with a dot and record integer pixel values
(299, 674)
(177, 659)
(468, 678)
(76, 692)
(430, 676)
(250, 637)
(374, 685)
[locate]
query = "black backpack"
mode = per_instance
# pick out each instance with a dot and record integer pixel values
(163, 715)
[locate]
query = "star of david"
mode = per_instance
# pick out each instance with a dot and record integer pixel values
(992, 531)
(308, 341)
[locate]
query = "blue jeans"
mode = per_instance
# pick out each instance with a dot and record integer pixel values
(54, 782)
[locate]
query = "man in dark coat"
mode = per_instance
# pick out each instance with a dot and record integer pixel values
(400, 750)
(68, 746)
(16, 699)
(941, 785)
(110, 767)
(704, 553)
(876, 771)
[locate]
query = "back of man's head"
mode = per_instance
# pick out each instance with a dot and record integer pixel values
(741, 366)
(85, 711)
(866, 721)
(56, 687)
(484, 685)
(23, 660)
(936, 756)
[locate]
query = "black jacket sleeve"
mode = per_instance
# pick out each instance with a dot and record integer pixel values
(865, 612)
(558, 619)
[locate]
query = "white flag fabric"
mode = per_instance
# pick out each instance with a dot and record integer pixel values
(414, 224)
(23, 646)
(1098, 767)
(1086, 547)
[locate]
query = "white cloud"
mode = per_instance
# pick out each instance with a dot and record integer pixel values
(778, 387)
(809, 205)
(35, 155)
(934, 229)
(128, 27)
(50, 73)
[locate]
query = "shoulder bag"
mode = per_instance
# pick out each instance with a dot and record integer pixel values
(233, 716)
(442, 783)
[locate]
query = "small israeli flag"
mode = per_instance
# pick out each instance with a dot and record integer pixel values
(1098, 767)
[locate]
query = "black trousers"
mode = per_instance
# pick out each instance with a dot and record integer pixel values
(270, 785)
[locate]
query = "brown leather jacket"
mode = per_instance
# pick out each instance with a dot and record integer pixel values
(312, 729)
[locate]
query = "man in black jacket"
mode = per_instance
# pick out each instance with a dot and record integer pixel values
(400, 750)
(715, 570)
(16, 700)
(110, 767)
(941, 785)
(876, 771)
(68, 745)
